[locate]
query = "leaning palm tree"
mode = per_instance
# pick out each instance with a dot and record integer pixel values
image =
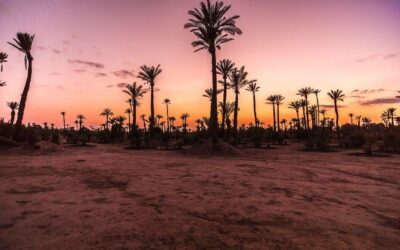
(336, 95)
(80, 120)
(149, 75)
(128, 111)
(278, 101)
(351, 118)
(305, 92)
(63, 116)
(167, 102)
(316, 92)
(212, 28)
(237, 81)
(296, 105)
(3, 59)
(224, 68)
(271, 99)
(13, 106)
(23, 42)
(135, 92)
(253, 88)
(107, 113)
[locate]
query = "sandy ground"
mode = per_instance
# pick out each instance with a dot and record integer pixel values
(106, 197)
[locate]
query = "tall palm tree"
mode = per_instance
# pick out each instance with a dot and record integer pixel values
(391, 112)
(272, 100)
(63, 116)
(128, 111)
(336, 95)
(13, 106)
(253, 88)
(351, 118)
(295, 105)
(304, 104)
(80, 120)
(212, 28)
(135, 92)
(238, 79)
(278, 101)
(224, 68)
(107, 113)
(149, 75)
(316, 92)
(167, 102)
(23, 42)
(305, 92)
(3, 59)
(313, 113)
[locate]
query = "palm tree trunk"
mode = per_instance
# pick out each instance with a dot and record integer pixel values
(277, 114)
(224, 107)
(24, 97)
(254, 109)
(12, 117)
(317, 116)
(134, 117)
(214, 111)
(64, 122)
(337, 119)
(151, 105)
(235, 116)
(168, 125)
(307, 120)
(304, 118)
(298, 119)
(129, 122)
(273, 114)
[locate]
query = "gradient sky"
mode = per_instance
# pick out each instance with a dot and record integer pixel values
(286, 45)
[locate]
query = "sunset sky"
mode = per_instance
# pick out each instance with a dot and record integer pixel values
(83, 50)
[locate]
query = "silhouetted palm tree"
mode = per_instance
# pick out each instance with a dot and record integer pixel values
(351, 118)
(305, 92)
(172, 120)
(385, 117)
(149, 75)
(209, 92)
(224, 68)
(158, 119)
(304, 104)
(323, 112)
(295, 105)
(184, 118)
(283, 122)
(3, 59)
(23, 42)
(278, 101)
(80, 120)
(237, 81)
(128, 111)
(358, 118)
(212, 28)
(63, 116)
(336, 95)
(13, 106)
(271, 99)
(391, 112)
(313, 113)
(135, 92)
(316, 92)
(107, 113)
(253, 88)
(143, 118)
(167, 102)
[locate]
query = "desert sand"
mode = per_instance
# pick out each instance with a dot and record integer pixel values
(107, 197)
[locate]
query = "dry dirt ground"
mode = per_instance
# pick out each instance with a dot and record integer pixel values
(107, 197)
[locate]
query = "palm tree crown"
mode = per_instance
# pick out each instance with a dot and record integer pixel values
(149, 74)
(23, 42)
(3, 59)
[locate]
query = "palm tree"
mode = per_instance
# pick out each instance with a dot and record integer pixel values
(23, 42)
(158, 119)
(305, 92)
(128, 111)
(316, 92)
(13, 106)
(358, 118)
(304, 104)
(351, 118)
(184, 117)
(237, 81)
(143, 118)
(253, 88)
(3, 59)
(385, 117)
(313, 113)
(283, 122)
(172, 120)
(80, 118)
(295, 105)
(278, 101)
(149, 75)
(336, 95)
(76, 124)
(107, 113)
(63, 116)
(212, 28)
(224, 68)
(167, 102)
(229, 109)
(209, 92)
(391, 112)
(135, 92)
(323, 112)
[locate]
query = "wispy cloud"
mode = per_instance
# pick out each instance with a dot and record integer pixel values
(378, 56)
(367, 91)
(110, 86)
(330, 106)
(80, 70)
(87, 63)
(124, 73)
(378, 101)
(56, 51)
(54, 74)
(368, 58)
(390, 56)
(121, 85)
(99, 74)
